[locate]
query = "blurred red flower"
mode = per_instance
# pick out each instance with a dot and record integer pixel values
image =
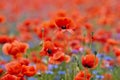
(1, 70)
(6, 39)
(13, 68)
(15, 48)
(83, 75)
(2, 19)
(28, 70)
(9, 77)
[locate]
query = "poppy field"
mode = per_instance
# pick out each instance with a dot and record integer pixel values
(60, 40)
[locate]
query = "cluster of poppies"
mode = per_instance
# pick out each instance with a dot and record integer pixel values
(70, 40)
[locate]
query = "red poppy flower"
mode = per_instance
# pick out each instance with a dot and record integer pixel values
(27, 23)
(60, 35)
(75, 44)
(83, 75)
(102, 35)
(88, 26)
(20, 76)
(60, 44)
(64, 23)
(9, 77)
(15, 48)
(118, 60)
(23, 61)
(106, 20)
(28, 70)
(5, 39)
(35, 58)
(112, 42)
(106, 48)
(42, 67)
(2, 19)
(59, 57)
(13, 67)
(116, 51)
(43, 31)
(93, 11)
(26, 26)
(48, 49)
(89, 61)
(1, 70)
(51, 25)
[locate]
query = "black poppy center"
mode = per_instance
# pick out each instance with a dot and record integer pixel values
(49, 51)
(88, 66)
(63, 27)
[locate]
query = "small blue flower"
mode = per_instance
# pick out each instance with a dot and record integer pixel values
(49, 72)
(5, 58)
(108, 58)
(74, 51)
(31, 78)
(31, 45)
(95, 72)
(99, 76)
(51, 67)
(61, 72)
(55, 66)
(101, 56)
